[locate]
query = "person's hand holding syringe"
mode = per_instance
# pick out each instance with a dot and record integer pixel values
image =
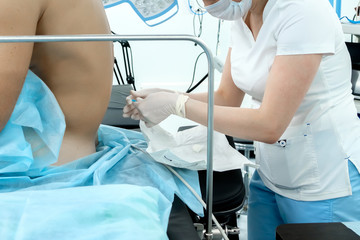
(154, 105)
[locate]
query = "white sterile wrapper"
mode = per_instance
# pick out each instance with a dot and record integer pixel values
(188, 149)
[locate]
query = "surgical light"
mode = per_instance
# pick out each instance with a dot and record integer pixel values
(152, 12)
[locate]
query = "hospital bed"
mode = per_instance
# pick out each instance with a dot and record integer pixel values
(207, 177)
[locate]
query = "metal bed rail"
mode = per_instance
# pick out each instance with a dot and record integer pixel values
(115, 37)
(247, 148)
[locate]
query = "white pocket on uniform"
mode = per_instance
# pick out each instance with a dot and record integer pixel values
(290, 163)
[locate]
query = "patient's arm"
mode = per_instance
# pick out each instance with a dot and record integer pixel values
(16, 18)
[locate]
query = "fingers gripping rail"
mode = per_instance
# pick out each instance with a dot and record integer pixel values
(113, 38)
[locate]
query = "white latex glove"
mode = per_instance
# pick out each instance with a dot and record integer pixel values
(156, 107)
(130, 110)
(228, 9)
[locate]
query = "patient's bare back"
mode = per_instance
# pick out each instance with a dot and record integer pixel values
(78, 73)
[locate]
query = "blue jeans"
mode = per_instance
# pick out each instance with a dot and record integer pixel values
(267, 210)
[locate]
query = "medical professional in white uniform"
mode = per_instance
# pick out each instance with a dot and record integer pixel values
(290, 56)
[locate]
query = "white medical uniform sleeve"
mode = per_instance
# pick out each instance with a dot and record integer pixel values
(228, 9)
(305, 27)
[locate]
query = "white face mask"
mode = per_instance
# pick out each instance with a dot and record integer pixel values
(228, 9)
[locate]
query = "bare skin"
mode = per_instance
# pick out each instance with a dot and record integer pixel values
(79, 74)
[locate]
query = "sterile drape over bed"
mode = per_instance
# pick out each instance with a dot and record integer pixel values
(119, 192)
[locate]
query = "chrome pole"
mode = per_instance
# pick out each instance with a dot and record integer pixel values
(108, 37)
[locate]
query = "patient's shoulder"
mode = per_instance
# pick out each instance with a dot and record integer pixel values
(20, 17)
(73, 17)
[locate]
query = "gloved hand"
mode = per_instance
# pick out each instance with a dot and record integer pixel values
(156, 107)
(129, 110)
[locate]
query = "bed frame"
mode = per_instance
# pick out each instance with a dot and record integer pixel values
(109, 37)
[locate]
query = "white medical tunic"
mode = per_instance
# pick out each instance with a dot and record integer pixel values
(310, 160)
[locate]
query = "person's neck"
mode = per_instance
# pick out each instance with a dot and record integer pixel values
(257, 7)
